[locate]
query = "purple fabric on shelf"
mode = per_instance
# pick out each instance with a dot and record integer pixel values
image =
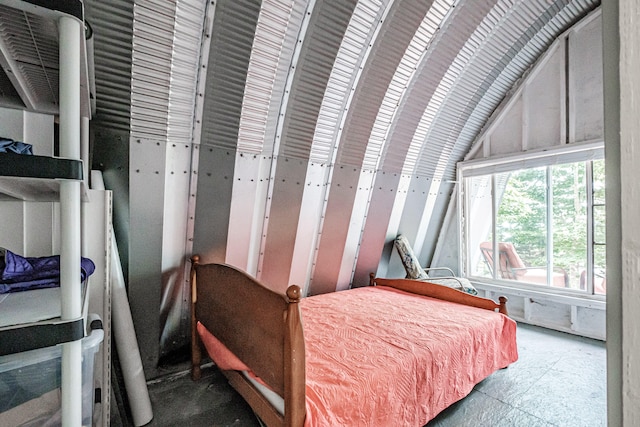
(10, 146)
(21, 274)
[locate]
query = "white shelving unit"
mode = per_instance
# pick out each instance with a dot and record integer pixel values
(43, 58)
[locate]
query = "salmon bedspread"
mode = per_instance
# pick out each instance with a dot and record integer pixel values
(377, 356)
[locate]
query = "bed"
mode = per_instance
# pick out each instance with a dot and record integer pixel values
(396, 352)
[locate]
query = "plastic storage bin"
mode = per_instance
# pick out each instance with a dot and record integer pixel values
(30, 385)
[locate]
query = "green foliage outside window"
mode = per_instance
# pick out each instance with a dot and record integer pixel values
(522, 215)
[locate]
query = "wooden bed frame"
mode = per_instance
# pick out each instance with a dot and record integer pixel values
(263, 328)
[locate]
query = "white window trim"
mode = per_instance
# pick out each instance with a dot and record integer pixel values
(570, 153)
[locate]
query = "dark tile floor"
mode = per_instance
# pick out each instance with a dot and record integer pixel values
(559, 380)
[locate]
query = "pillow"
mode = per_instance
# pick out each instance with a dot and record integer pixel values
(459, 283)
(219, 353)
(416, 272)
(409, 259)
(222, 356)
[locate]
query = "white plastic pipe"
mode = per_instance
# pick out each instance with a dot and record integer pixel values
(124, 333)
(128, 351)
(70, 291)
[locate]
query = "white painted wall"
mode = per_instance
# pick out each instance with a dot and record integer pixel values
(35, 236)
(558, 103)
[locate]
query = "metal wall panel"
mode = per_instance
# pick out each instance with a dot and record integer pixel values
(411, 219)
(213, 198)
(247, 210)
(374, 233)
(174, 307)
(432, 221)
(355, 48)
(354, 234)
(290, 45)
(309, 224)
(415, 118)
(402, 199)
(185, 65)
(147, 198)
(281, 224)
(334, 232)
(390, 138)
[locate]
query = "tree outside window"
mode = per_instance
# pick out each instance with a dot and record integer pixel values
(548, 223)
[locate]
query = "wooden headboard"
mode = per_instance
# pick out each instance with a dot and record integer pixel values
(261, 327)
(445, 293)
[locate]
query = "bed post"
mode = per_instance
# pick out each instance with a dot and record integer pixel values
(196, 355)
(294, 362)
(503, 305)
(372, 277)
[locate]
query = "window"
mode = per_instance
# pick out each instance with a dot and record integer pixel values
(537, 221)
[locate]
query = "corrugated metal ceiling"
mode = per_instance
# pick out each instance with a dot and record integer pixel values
(495, 53)
(397, 86)
(112, 24)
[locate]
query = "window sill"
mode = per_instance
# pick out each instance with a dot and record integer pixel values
(597, 302)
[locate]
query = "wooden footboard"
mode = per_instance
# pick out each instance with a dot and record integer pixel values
(261, 327)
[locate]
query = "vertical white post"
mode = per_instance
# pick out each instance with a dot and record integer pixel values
(626, 292)
(84, 148)
(71, 297)
(84, 155)
(549, 227)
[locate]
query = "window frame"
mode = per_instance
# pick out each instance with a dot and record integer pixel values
(570, 153)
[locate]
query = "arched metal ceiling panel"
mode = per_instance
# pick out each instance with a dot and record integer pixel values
(151, 70)
(184, 69)
(398, 30)
(112, 24)
(355, 47)
(319, 49)
(232, 40)
(360, 36)
(431, 71)
(291, 40)
(400, 122)
(470, 95)
(274, 22)
(345, 206)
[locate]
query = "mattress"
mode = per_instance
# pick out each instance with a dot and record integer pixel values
(378, 356)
